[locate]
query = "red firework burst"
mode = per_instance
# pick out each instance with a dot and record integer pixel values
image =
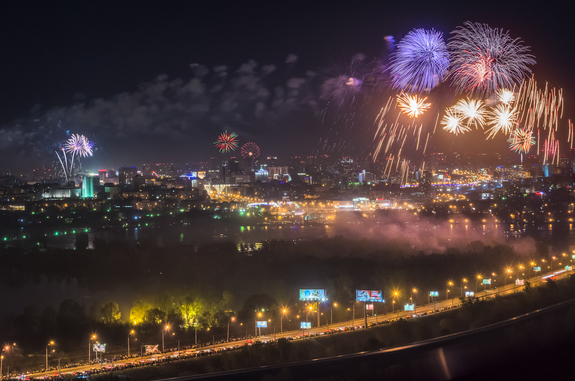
(227, 142)
(250, 149)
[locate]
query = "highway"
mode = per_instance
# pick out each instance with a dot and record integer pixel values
(440, 306)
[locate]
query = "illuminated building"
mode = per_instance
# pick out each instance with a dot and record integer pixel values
(88, 186)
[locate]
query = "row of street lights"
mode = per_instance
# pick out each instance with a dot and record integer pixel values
(450, 284)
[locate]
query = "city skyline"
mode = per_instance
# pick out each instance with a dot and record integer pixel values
(132, 123)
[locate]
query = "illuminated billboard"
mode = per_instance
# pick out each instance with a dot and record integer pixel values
(409, 307)
(520, 282)
(569, 268)
(151, 349)
(305, 325)
(369, 296)
(99, 347)
(486, 281)
(369, 307)
(433, 293)
(469, 293)
(262, 324)
(537, 268)
(315, 295)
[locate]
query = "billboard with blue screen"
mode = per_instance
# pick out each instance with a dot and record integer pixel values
(305, 325)
(486, 281)
(262, 324)
(99, 347)
(311, 294)
(369, 296)
(409, 307)
(433, 293)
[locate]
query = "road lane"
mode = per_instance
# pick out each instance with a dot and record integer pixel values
(442, 306)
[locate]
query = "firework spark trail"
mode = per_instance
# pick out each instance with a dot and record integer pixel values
(426, 141)
(418, 137)
(64, 167)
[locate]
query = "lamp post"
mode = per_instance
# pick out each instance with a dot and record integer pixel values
(333, 305)
(552, 259)
(414, 291)
(166, 328)
(479, 277)
(447, 290)
(131, 333)
(50, 343)
(307, 313)
(93, 337)
(1, 365)
(508, 274)
(463, 281)
(233, 318)
(282, 320)
(259, 314)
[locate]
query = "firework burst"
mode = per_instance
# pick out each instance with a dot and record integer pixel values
(420, 61)
(77, 146)
(227, 142)
(502, 118)
(412, 105)
(452, 122)
(485, 59)
(250, 150)
(521, 140)
(505, 96)
(472, 110)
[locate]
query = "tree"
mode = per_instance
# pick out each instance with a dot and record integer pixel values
(190, 309)
(110, 313)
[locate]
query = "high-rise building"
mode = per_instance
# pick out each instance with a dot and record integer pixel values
(88, 186)
(126, 175)
(103, 173)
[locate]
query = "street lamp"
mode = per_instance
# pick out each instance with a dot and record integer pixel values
(233, 318)
(93, 337)
(333, 305)
(552, 259)
(463, 281)
(259, 314)
(413, 291)
(509, 273)
(166, 328)
(131, 333)
(50, 343)
(284, 311)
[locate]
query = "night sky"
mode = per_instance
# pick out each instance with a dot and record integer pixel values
(158, 81)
